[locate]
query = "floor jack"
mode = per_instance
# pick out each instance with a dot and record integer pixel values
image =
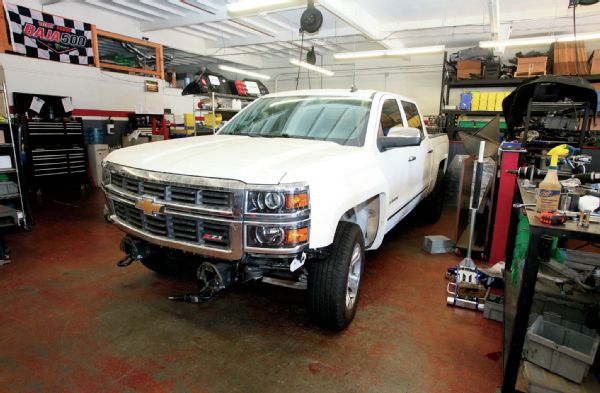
(467, 291)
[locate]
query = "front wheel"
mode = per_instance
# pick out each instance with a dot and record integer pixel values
(334, 283)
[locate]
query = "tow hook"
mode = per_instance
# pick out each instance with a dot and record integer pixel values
(212, 278)
(134, 250)
(298, 263)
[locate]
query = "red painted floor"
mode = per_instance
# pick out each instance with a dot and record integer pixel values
(70, 320)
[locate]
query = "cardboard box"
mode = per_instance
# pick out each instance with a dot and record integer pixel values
(595, 63)
(465, 68)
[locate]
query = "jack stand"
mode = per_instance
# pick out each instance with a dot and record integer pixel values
(467, 290)
(212, 279)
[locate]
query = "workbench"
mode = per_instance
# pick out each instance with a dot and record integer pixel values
(519, 299)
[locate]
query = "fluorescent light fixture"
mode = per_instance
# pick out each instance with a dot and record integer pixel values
(244, 72)
(371, 54)
(580, 37)
(518, 42)
(311, 67)
(163, 7)
(136, 7)
(186, 6)
(543, 40)
(120, 10)
(256, 6)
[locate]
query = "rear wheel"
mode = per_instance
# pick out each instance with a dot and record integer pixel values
(433, 205)
(334, 283)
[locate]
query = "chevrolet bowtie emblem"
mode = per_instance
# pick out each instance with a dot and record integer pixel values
(149, 207)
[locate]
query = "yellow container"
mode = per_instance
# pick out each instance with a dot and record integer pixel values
(210, 122)
(491, 104)
(483, 101)
(475, 101)
(188, 119)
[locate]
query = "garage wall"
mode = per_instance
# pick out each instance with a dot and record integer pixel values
(418, 78)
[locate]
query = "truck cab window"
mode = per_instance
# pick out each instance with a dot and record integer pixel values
(390, 117)
(412, 116)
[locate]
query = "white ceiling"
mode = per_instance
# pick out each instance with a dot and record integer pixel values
(349, 25)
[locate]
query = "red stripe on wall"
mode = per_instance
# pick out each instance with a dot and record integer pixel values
(100, 112)
(92, 112)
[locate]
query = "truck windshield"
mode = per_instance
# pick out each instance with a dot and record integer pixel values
(341, 120)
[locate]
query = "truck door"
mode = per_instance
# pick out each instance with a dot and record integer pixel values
(394, 162)
(420, 167)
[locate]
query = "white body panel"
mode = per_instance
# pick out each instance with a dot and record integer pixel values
(339, 177)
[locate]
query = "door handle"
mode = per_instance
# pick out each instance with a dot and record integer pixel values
(430, 151)
(411, 158)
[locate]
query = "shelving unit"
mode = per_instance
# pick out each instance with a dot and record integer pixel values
(451, 115)
(214, 99)
(13, 205)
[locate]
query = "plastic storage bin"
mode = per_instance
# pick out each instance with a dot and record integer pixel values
(562, 350)
(494, 308)
(8, 188)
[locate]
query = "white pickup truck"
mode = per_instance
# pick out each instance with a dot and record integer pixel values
(291, 191)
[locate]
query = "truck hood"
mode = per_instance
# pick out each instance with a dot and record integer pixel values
(247, 159)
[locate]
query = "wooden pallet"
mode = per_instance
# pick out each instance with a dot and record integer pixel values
(529, 74)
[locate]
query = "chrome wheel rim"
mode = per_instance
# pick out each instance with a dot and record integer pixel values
(354, 272)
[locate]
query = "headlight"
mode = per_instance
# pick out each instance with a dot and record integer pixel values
(105, 173)
(275, 236)
(277, 201)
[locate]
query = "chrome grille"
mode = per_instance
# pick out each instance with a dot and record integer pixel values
(176, 228)
(170, 193)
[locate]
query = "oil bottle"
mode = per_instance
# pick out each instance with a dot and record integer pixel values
(548, 197)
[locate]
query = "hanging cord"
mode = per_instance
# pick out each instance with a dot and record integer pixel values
(301, 48)
(308, 74)
(576, 43)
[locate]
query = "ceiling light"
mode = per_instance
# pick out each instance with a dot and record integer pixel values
(371, 54)
(518, 42)
(196, 33)
(163, 7)
(580, 37)
(118, 9)
(256, 6)
(186, 6)
(311, 67)
(244, 72)
(139, 8)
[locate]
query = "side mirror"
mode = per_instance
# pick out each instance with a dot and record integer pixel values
(400, 137)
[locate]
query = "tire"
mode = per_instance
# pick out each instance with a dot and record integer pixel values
(162, 263)
(332, 294)
(433, 205)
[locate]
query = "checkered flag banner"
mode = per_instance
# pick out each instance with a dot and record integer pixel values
(45, 36)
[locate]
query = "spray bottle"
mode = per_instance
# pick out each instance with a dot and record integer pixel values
(548, 197)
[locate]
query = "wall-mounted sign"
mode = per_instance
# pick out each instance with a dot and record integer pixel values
(37, 34)
(151, 86)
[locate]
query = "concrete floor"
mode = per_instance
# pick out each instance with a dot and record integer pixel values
(70, 320)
